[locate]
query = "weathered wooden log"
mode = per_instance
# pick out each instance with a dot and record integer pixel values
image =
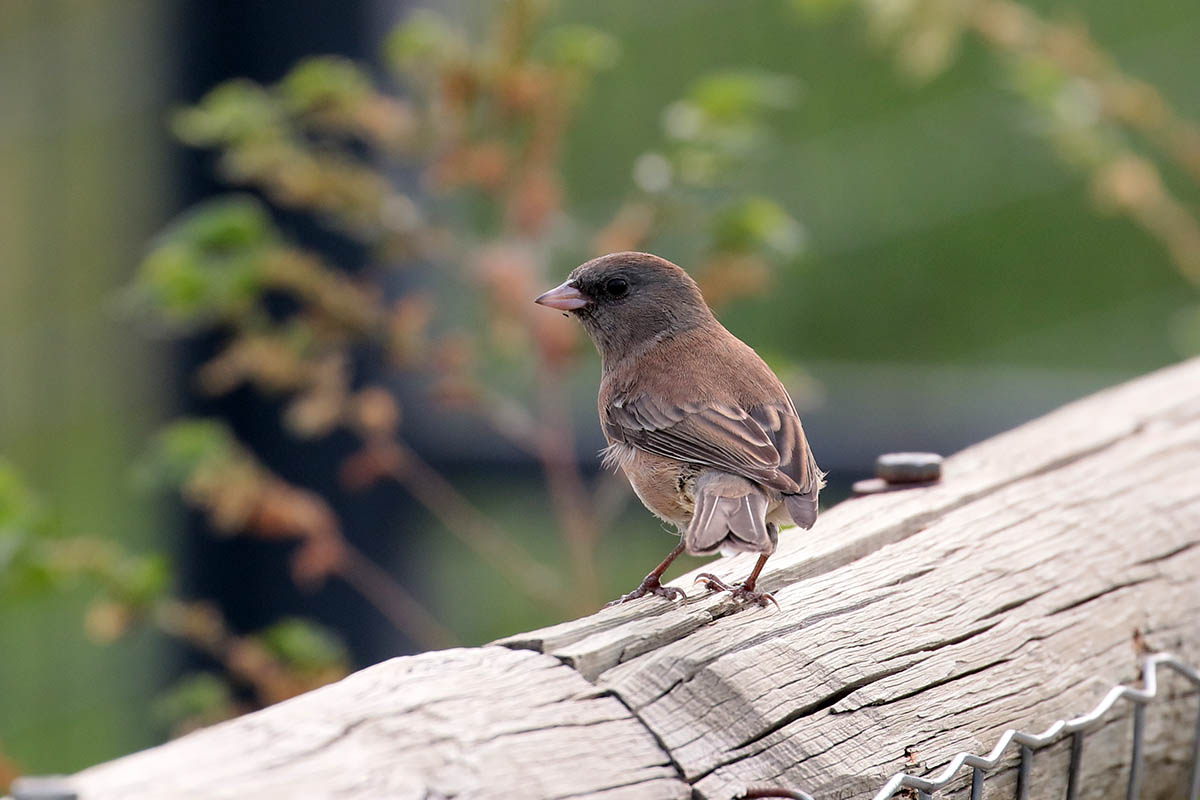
(914, 625)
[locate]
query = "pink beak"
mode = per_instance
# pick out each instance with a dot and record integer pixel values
(565, 298)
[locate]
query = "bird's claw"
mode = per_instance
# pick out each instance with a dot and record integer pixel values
(739, 592)
(650, 585)
(712, 582)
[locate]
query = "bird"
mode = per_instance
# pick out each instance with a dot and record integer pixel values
(702, 428)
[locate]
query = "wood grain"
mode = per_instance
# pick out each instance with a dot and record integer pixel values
(929, 619)
(486, 722)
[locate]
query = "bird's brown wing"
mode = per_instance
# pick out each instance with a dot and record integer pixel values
(765, 444)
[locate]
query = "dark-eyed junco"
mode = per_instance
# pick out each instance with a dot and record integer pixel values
(705, 432)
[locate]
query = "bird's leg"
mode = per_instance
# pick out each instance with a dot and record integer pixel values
(744, 591)
(651, 583)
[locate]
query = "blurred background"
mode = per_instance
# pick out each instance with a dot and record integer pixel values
(275, 403)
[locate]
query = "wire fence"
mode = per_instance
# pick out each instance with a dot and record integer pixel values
(1076, 727)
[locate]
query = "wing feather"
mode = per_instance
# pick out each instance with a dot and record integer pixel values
(765, 444)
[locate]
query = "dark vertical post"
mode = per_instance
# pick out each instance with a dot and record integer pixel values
(1194, 783)
(1023, 773)
(1135, 762)
(1076, 762)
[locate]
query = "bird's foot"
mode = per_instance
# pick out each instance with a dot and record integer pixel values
(741, 592)
(650, 585)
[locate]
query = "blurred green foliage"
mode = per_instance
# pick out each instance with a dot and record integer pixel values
(486, 124)
(579, 47)
(129, 590)
(306, 647)
(930, 197)
(208, 264)
(184, 449)
(944, 227)
(35, 557)
(483, 123)
(199, 696)
(758, 223)
(425, 41)
(22, 523)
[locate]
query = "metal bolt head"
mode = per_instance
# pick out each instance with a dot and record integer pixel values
(43, 787)
(901, 471)
(909, 467)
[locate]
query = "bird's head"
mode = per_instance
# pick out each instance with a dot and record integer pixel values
(628, 300)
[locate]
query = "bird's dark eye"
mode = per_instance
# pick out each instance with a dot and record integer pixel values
(617, 287)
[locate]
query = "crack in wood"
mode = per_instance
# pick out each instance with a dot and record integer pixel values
(325, 744)
(606, 789)
(820, 705)
(1183, 548)
(889, 535)
(666, 751)
(927, 611)
(959, 639)
(911, 576)
(926, 686)
(1096, 596)
(750, 753)
(695, 667)
(1014, 604)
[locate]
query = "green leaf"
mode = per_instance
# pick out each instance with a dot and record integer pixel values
(227, 224)
(1038, 79)
(758, 223)
(208, 263)
(21, 521)
(196, 695)
(581, 47)
(24, 527)
(323, 82)
(742, 95)
(143, 580)
(423, 41)
(183, 447)
(20, 508)
(721, 122)
(304, 645)
(236, 111)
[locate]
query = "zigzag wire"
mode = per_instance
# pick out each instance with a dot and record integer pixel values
(1034, 741)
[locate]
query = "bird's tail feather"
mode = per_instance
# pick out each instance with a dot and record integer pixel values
(729, 518)
(802, 508)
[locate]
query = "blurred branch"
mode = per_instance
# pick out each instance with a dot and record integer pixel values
(1090, 110)
(283, 661)
(220, 477)
(572, 501)
(405, 613)
(512, 421)
(476, 529)
(245, 658)
(1090, 103)
(9, 771)
(482, 124)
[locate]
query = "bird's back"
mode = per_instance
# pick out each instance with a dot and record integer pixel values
(703, 365)
(703, 396)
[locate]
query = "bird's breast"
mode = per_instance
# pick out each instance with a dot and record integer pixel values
(665, 486)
